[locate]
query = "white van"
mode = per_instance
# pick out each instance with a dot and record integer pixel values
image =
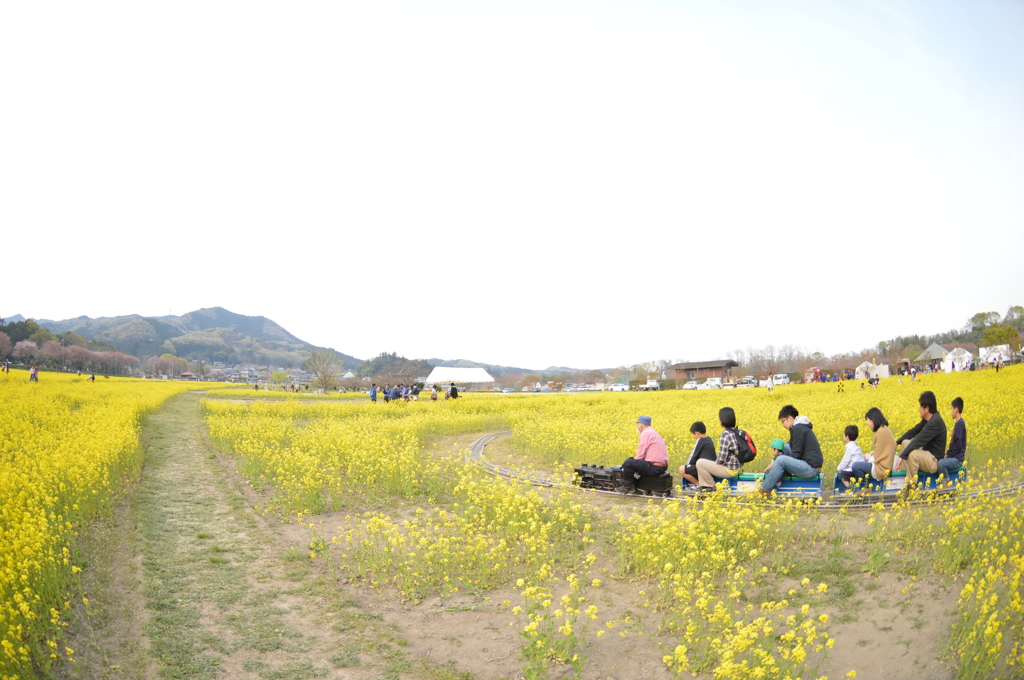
(780, 379)
(711, 384)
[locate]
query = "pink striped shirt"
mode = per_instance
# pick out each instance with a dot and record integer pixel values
(652, 448)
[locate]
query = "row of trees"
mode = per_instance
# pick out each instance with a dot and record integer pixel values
(56, 355)
(985, 329)
(169, 365)
(392, 364)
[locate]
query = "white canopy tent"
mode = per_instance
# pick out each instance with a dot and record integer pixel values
(459, 376)
(957, 360)
(991, 355)
(868, 370)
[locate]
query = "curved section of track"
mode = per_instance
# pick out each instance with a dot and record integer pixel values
(475, 455)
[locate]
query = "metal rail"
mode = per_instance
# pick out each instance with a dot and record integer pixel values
(475, 455)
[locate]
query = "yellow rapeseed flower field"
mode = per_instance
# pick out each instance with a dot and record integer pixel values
(66, 446)
(698, 558)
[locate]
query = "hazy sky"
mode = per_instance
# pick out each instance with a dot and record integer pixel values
(525, 183)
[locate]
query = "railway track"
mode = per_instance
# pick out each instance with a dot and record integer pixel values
(475, 456)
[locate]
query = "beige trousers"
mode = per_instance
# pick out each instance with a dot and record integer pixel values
(706, 468)
(919, 459)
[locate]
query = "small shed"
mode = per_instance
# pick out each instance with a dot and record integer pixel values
(698, 370)
(935, 352)
(958, 359)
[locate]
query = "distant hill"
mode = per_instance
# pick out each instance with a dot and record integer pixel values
(213, 333)
(14, 319)
(394, 365)
(496, 370)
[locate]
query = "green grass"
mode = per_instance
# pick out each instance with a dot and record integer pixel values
(203, 605)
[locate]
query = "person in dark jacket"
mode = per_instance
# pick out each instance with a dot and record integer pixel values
(454, 391)
(958, 442)
(922, 446)
(804, 459)
(703, 447)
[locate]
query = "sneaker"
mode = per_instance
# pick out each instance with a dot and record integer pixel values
(625, 489)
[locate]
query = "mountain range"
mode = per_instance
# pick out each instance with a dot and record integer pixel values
(212, 333)
(496, 370)
(217, 334)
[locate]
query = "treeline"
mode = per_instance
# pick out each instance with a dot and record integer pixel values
(55, 355)
(28, 343)
(393, 365)
(985, 329)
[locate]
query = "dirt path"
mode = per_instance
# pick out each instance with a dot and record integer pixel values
(205, 588)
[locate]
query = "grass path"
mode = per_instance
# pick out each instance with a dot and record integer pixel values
(187, 581)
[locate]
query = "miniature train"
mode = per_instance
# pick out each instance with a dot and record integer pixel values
(601, 478)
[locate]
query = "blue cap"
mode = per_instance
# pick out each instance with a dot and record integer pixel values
(644, 420)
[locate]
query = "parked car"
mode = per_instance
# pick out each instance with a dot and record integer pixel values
(747, 381)
(692, 385)
(619, 387)
(506, 390)
(780, 379)
(711, 384)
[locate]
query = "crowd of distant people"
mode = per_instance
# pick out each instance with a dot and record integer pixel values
(402, 392)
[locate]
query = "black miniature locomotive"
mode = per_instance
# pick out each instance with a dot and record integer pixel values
(607, 478)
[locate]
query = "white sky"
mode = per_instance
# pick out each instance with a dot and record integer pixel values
(525, 183)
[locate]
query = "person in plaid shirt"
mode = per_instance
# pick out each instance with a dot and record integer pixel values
(727, 464)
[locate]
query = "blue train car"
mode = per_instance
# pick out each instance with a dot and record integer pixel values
(747, 482)
(897, 481)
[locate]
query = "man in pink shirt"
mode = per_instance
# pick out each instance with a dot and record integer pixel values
(651, 457)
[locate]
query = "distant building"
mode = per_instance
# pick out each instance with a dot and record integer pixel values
(701, 370)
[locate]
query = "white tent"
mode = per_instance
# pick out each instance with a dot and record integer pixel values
(958, 360)
(868, 370)
(459, 376)
(991, 355)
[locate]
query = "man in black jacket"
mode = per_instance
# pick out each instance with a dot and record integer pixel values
(703, 447)
(923, 445)
(805, 458)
